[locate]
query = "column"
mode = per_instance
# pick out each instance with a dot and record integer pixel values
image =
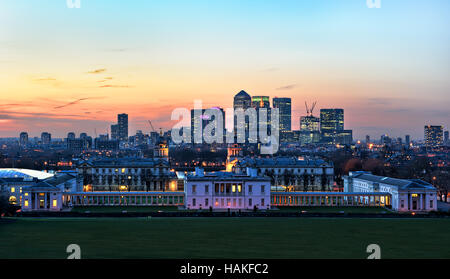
(421, 202)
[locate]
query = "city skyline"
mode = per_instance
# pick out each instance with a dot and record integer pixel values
(111, 58)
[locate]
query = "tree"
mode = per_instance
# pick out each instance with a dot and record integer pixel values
(5, 206)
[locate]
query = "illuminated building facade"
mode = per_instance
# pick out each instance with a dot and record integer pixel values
(242, 100)
(332, 127)
(284, 106)
(225, 190)
(122, 122)
(434, 136)
(291, 173)
(309, 129)
(405, 194)
(127, 175)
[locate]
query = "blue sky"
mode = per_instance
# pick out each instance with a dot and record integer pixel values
(388, 68)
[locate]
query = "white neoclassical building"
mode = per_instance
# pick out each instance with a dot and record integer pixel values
(406, 194)
(227, 190)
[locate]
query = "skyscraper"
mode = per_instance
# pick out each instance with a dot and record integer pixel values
(115, 131)
(122, 122)
(332, 124)
(408, 140)
(46, 138)
(285, 110)
(23, 141)
(199, 121)
(71, 136)
(446, 140)
(309, 124)
(331, 120)
(261, 102)
(242, 100)
(434, 135)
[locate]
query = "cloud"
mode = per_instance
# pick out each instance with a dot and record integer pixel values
(287, 87)
(76, 102)
(98, 71)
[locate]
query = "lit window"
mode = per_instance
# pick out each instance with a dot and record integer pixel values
(123, 170)
(239, 188)
(233, 188)
(26, 203)
(26, 194)
(55, 203)
(13, 189)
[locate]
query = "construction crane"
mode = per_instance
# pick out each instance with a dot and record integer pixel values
(309, 111)
(151, 125)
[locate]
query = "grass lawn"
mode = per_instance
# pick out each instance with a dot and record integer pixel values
(224, 237)
(329, 209)
(119, 209)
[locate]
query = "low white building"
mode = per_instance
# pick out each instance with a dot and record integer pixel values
(47, 194)
(227, 190)
(406, 194)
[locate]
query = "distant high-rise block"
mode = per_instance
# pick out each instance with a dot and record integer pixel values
(23, 141)
(200, 119)
(115, 131)
(242, 100)
(261, 102)
(122, 122)
(46, 138)
(284, 106)
(331, 123)
(446, 139)
(71, 136)
(309, 124)
(434, 136)
(408, 140)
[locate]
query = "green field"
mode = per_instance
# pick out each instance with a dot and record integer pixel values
(224, 237)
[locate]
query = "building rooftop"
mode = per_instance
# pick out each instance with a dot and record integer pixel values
(282, 162)
(403, 184)
(229, 176)
(25, 174)
(126, 162)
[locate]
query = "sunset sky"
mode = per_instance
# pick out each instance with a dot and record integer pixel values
(64, 70)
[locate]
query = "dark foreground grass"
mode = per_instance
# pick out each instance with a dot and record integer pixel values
(330, 209)
(224, 237)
